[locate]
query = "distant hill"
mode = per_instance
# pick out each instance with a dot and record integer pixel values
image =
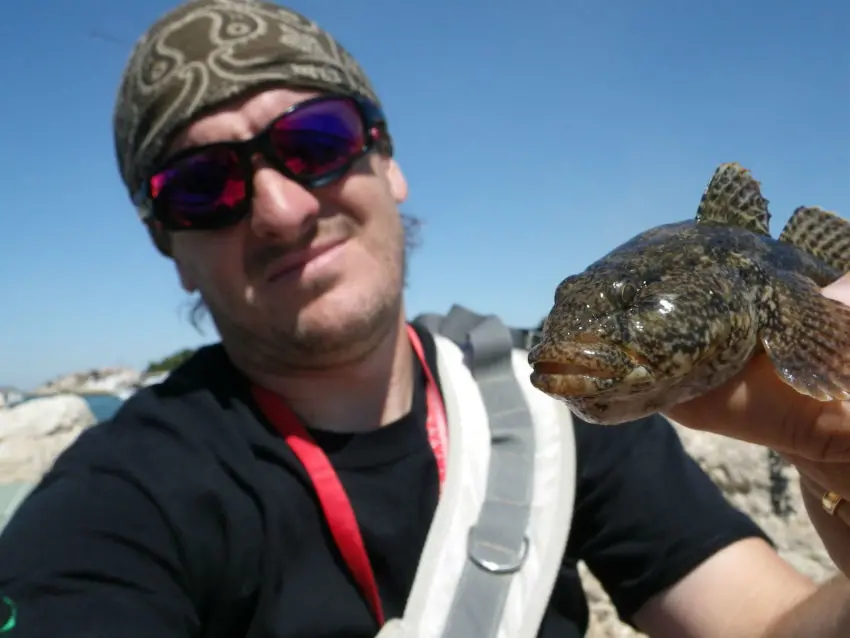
(170, 362)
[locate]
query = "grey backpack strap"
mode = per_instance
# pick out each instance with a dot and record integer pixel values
(430, 321)
(497, 543)
(460, 321)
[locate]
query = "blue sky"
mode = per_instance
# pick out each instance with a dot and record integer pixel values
(535, 137)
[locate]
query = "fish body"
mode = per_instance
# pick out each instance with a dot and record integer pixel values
(681, 308)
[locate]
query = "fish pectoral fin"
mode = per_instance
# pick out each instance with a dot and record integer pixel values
(733, 198)
(808, 339)
(822, 234)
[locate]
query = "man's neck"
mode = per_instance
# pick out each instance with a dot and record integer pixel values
(372, 392)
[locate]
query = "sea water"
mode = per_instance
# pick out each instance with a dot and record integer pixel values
(103, 406)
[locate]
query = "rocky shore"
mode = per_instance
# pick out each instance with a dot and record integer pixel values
(32, 433)
(112, 380)
(37, 425)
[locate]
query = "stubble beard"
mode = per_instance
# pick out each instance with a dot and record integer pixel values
(275, 349)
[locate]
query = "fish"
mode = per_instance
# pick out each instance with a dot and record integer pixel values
(681, 308)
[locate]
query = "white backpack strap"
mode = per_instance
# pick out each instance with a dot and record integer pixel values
(11, 497)
(498, 536)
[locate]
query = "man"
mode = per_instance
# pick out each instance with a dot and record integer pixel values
(195, 512)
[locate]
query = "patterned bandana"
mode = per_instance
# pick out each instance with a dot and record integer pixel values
(206, 52)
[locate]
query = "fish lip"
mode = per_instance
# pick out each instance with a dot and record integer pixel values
(577, 369)
(546, 367)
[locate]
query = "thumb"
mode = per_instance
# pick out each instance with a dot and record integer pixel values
(839, 290)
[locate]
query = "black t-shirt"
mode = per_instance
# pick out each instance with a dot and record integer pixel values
(188, 516)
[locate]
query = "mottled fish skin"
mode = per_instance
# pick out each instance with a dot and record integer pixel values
(681, 308)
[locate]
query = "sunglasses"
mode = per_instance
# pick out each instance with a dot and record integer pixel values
(313, 143)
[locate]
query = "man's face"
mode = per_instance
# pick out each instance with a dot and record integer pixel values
(309, 276)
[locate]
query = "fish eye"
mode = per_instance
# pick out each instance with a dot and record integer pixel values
(627, 292)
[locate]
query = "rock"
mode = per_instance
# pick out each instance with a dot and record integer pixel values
(153, 379)
(755, 481)
(9, 396)
(33, 433)
(110, 380)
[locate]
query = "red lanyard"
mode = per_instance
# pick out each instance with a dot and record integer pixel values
(329, 490)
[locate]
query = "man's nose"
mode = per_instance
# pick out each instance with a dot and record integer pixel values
(281, 208)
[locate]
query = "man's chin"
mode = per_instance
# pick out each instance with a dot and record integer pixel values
(345, 324)
(331, 326)
(331, 323)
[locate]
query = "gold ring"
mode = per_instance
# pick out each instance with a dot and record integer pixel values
(830, 502)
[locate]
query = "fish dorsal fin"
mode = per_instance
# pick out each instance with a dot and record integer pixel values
(822, 234)
(733, 198)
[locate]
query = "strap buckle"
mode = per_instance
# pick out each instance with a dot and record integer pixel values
(495, 558)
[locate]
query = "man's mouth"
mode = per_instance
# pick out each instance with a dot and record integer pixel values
(296, 260)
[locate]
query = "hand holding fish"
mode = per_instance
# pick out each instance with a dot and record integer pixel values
(757, 406)
(723, 328)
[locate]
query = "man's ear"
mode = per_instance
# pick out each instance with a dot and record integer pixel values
(162, 240)
(397, 181)
(187, 279)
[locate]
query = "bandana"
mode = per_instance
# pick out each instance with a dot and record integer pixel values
(207, 52)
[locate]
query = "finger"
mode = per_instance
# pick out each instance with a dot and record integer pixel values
(816, 492)
(757, 406)
(833, 532)
(839, 290)
(827, 476)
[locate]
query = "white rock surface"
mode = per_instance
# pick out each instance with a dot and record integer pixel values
(111, 380)
(33, 433)
(9, 396)
(153, 379)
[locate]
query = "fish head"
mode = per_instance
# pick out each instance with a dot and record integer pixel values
(628, 338)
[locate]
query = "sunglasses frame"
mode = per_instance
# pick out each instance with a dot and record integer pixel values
(374, 129)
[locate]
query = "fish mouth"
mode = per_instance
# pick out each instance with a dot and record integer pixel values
(560, 369)
(586, 367)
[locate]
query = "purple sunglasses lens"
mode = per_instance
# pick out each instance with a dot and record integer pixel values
(199, 184)
(319, 138)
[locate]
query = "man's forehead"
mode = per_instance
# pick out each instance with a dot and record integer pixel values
(238, 119)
